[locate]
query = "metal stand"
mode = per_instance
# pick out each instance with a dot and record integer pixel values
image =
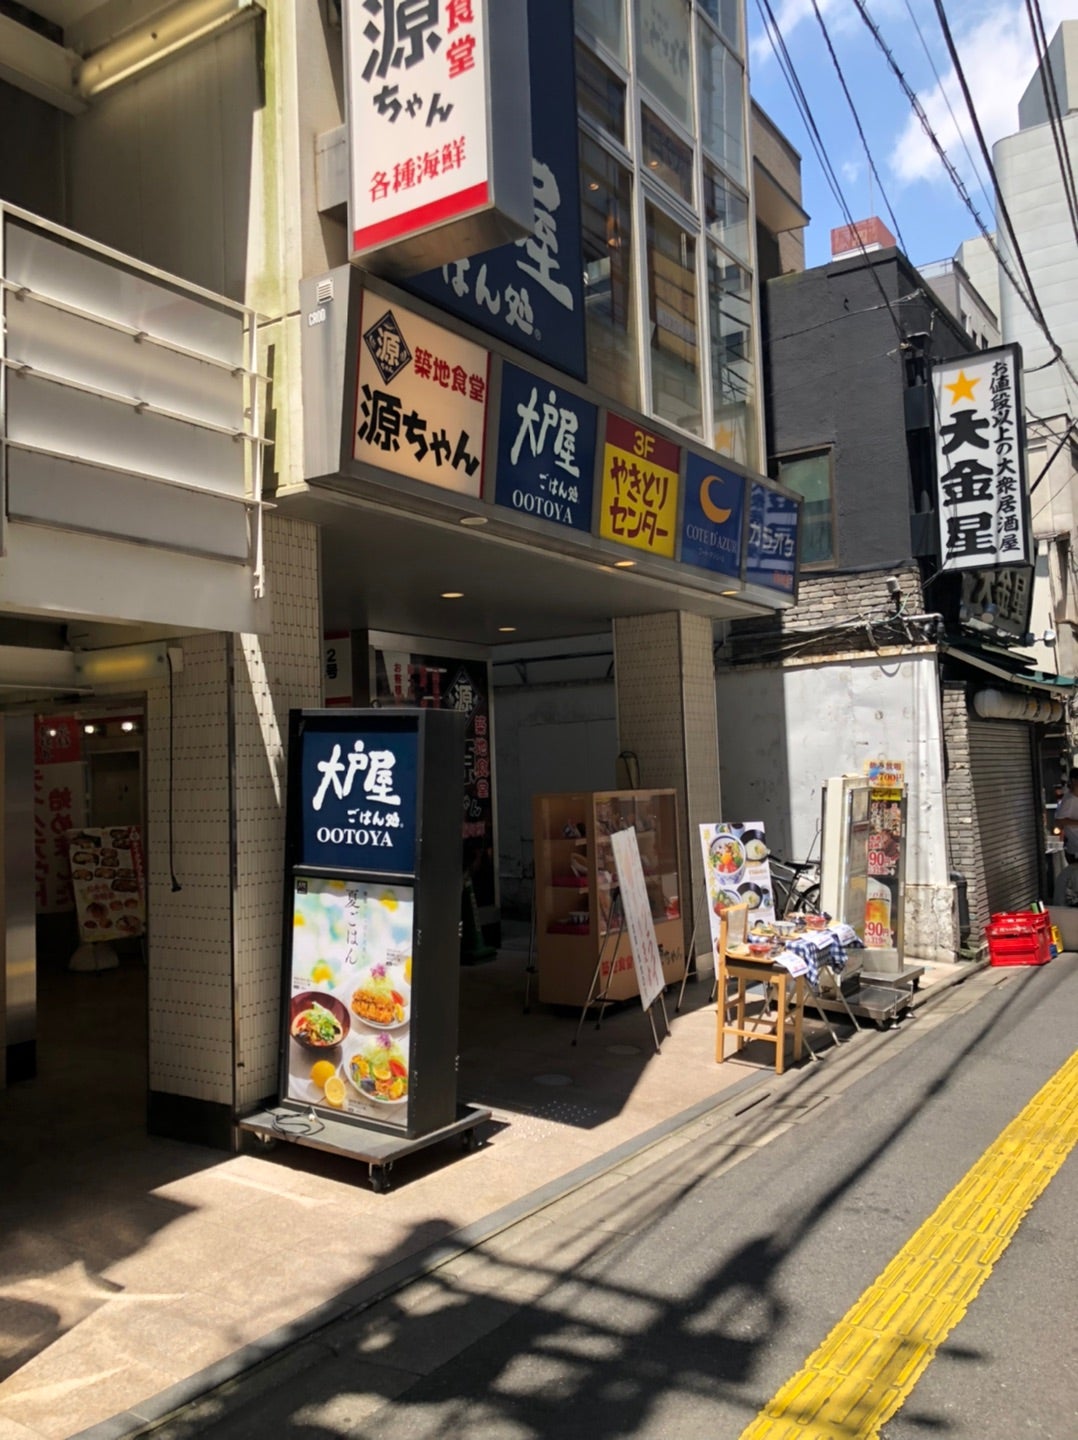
(690, 964)
(531, 968)
(599, 997)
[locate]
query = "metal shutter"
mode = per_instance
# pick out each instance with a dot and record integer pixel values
(1001, 757)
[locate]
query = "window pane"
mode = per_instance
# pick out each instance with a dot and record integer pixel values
(810, 476)
(664, 63)
(606, 204)
(600, 94)
(605, 19)
(726, 213)
(668, 158)
(724, 14)
(733, 384)
(675, 366)
(722, 81)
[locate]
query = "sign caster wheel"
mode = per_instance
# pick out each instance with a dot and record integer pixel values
(380, 1181)
(471, 1141)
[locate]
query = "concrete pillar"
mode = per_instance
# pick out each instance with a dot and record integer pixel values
(665, 677)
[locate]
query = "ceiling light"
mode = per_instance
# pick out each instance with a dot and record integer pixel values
(52, 734)
(452, 594)
(624, 564)
(175, 29)
(89, 729)
(507, 629)
(127, 726)
(730, 592)
(473, 519)
(593, 184)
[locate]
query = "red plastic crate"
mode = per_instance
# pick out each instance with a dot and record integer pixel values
(1019, 938)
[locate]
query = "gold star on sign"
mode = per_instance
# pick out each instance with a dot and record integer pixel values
(962, 388)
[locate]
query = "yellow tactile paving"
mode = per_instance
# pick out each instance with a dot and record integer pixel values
(865, 1369)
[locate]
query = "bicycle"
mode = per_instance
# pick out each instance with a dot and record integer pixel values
(797, 891)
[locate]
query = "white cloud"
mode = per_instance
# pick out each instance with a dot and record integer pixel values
(998, 60)
(851, 171)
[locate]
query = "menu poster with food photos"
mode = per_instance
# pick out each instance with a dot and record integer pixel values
(737, 867)
(107, 879)
(350, 998)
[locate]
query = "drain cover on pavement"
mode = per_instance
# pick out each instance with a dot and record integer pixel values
(553, 1080)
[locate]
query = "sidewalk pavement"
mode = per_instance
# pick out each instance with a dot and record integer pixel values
(138, 1273)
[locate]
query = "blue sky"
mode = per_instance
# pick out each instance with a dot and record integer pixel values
(993, 38)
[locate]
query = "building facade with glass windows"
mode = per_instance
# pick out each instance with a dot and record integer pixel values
(556, 539)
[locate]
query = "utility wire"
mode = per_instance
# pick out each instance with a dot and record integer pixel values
(947, 101)
(782, 54)
(957, 181)
(1051, 101)
(857, 121)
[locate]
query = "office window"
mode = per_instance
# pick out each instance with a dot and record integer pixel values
(722, 115)
(606, 207)
(733, 371)
(675, 362)
(724, 14)
(605, 19)
(664, 54)
(600, 94)
(667, 157)
(726, 212)
(810, 476)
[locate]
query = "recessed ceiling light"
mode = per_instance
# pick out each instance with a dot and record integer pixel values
(506, 629)
(452, 594)
(593, 185)
(624, 564)
(473, 519)
(730, 592)
(607, 569)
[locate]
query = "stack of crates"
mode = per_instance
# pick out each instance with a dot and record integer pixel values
(1022, 937)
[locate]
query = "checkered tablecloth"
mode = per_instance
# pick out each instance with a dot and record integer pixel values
(822, 948)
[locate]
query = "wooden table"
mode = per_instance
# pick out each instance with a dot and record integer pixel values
(748, 971)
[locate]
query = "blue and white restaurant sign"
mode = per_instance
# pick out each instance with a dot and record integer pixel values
(771, 555)
(531, 293)
(546, 450)
(358, 799)
(711, 530)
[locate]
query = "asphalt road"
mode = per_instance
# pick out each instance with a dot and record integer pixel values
(671, 1298)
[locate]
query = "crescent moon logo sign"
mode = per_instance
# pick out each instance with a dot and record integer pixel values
(708, 506)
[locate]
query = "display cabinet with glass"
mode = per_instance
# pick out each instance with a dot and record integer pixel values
(576, 922)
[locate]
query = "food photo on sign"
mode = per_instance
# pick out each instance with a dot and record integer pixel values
(107, 882)
(351, 997)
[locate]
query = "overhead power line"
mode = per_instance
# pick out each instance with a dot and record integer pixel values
(1029, 301)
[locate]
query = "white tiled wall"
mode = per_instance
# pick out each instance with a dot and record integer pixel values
(215, 944)
(665, 676)
(273, 674)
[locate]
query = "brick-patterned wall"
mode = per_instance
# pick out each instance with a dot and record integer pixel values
(837, 613)
(961, 803)
(190, 955)
(273, 674)
(665, 677)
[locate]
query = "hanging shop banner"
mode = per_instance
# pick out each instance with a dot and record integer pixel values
(640, 488)
(438, 129)
(440, 682)
(737, 867)
(350, 999)
(980, 461)
(636, 907)
(1009, 589)
(712, 525)
(337, 667)
(886, 811)
(531, 294)
(108, 882)
(421, 399)
(771, 553)
(358, 799)
(546, 450)
(59, 804)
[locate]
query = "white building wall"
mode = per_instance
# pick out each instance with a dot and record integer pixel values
(783, 732)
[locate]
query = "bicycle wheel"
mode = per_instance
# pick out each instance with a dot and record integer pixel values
(808, 902)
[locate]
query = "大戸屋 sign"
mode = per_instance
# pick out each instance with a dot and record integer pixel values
(980, 461)
(358, 799)
(546, 450)
(439, 130)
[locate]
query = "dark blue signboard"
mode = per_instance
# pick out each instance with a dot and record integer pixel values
(546, 450)
(771, 557)
(531, 294)
(714, 516)
(358, 798)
